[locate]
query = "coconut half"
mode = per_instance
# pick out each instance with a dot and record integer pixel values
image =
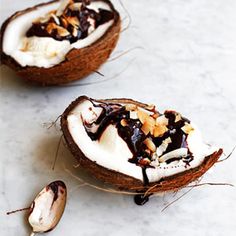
(134, 147)
(59, 41)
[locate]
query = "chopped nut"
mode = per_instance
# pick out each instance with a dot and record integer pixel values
(167, 140)
(73, 21)
(163, 146)
(133, 115)
(62, 32)
(161, 120)
(130, 107)
(187, 128)
(56, 19)
(159, 130)
(150, 145)
(123, 122)
(64, 22)
(177, 117)
(51, 27)
(75, 32)
(155, 115)
(75, 6)
(144, 162)
(150, 107)
(148, 125)
(142, 115)
(145, 128)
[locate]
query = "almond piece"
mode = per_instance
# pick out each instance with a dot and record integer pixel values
(155, 115)
(159, 130)
(73, 21)
(75, 6)
(144, 162)
(150, 107)
(145, 128)
(178, 117)
(162, 120)
(187, 128)
(150, 145)
(123, 122)
(133, 115)
(130, 107)
(51, 27)
(62, 32)
(142, 115)
(64, 22)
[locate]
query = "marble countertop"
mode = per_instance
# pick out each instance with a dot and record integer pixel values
(183, 57)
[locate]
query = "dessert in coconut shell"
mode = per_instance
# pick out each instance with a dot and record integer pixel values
(134, 147)
(60, 41)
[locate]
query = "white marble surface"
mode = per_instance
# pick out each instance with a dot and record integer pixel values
(187, 62)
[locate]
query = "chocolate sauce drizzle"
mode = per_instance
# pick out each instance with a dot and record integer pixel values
(84, 16)
(133, 135)
(54, 186)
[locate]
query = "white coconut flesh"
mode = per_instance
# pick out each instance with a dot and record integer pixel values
(45, 51)
(112, 152)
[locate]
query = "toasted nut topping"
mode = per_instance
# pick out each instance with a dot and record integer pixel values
(151, 122)
(133, 115)
(150, 107)
(159, 130)
(75, 32)
(187, 128)
(73, 21)
(75, 6)
(61, 31)
(130, 107)
(55, 19)
(144, 161)
(123, 122)
(145, 128)
(142, 115)
(161, 120)
(150, 145)
(155, 115)
(177, 117)
(64, 22)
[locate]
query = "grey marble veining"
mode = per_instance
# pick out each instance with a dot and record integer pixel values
(185, 58)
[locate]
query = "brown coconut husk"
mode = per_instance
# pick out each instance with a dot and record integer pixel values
(125, 182)
(78, 62)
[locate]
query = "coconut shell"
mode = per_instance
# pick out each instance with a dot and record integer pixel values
(125, 182)
(78, 62)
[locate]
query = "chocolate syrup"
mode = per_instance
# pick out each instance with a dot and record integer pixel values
(141, 199)
(83, 15)
(54, 186)
(133, 135)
